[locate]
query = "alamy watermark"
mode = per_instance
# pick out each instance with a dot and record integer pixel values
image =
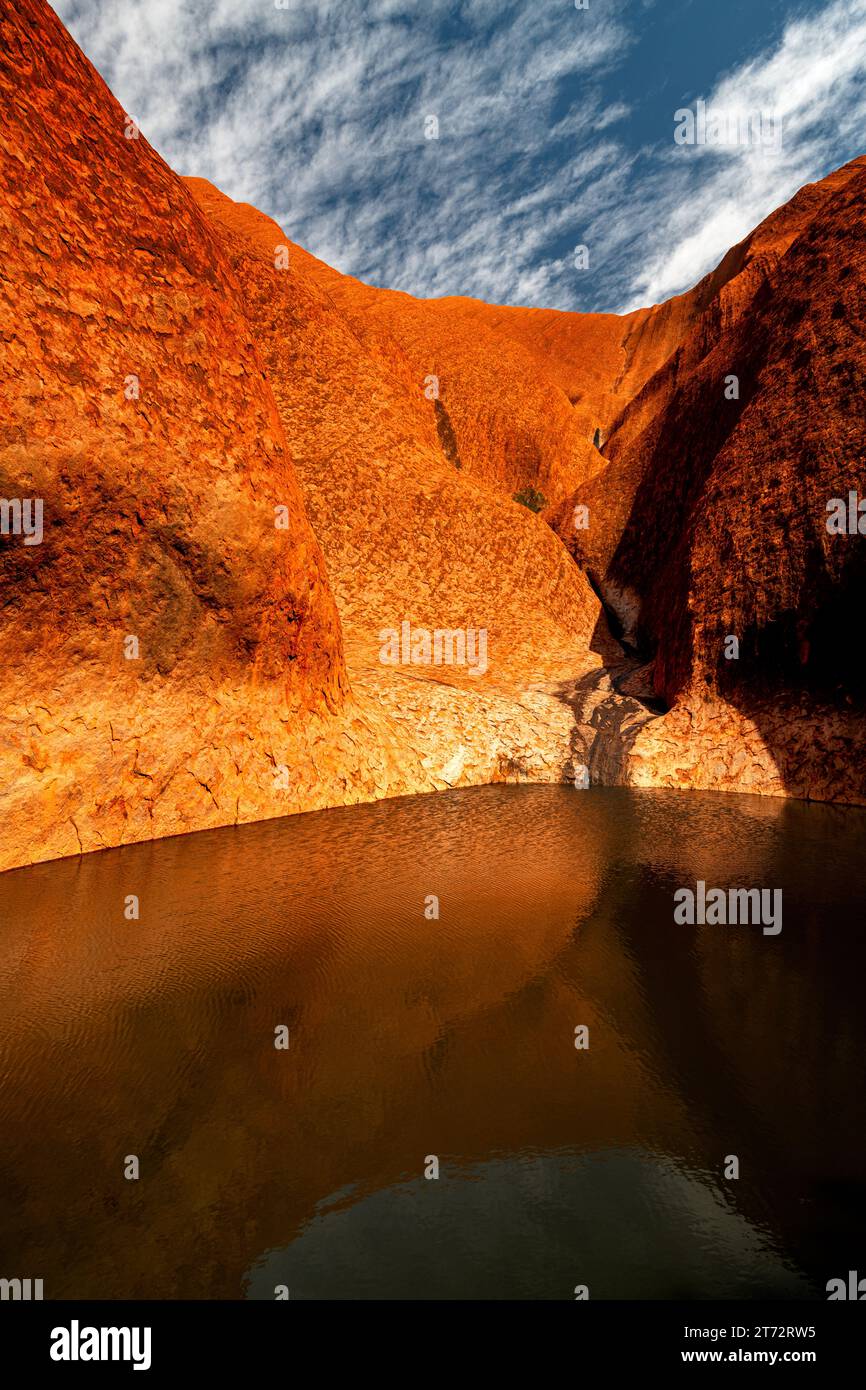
(418, 646)
(703, 906)
(21, 1290)
(846, 516)
(22, 516)
(77, 1343)
(853, 1289)
(727, 128)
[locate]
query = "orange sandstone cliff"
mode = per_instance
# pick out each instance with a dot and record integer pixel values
(253, 471)
(173, 654)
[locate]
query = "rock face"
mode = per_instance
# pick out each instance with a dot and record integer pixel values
(410, 539)
(137, 419)
(243, 493)
(501, 415)
(707, 532)
(406, 534)
(173, 655)
(489, 400)
(127, 356)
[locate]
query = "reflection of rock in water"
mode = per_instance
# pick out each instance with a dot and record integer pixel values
(409, 1036)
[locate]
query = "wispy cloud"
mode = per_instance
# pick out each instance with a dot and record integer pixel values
(316, 114)
(707, 198)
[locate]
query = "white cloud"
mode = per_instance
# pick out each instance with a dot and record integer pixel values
(315, 114)
(705, 199)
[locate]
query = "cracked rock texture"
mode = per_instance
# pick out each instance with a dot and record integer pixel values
(142, 350)
(135, 408)
(252, 466)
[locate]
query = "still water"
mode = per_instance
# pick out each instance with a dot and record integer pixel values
(412, 1037)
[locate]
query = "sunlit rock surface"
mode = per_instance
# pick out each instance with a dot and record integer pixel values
(253, 469)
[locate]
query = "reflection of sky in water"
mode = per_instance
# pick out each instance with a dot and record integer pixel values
(626, 1223)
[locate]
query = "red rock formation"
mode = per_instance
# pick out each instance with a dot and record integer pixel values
(141, 346)
(405, 533)
(502, 414)
(709, 521)
(232, 444)
(126, 357)
(135, 409)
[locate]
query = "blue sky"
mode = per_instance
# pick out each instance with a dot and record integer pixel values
(555, 128)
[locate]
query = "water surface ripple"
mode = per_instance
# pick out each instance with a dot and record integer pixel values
(413, 1037)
